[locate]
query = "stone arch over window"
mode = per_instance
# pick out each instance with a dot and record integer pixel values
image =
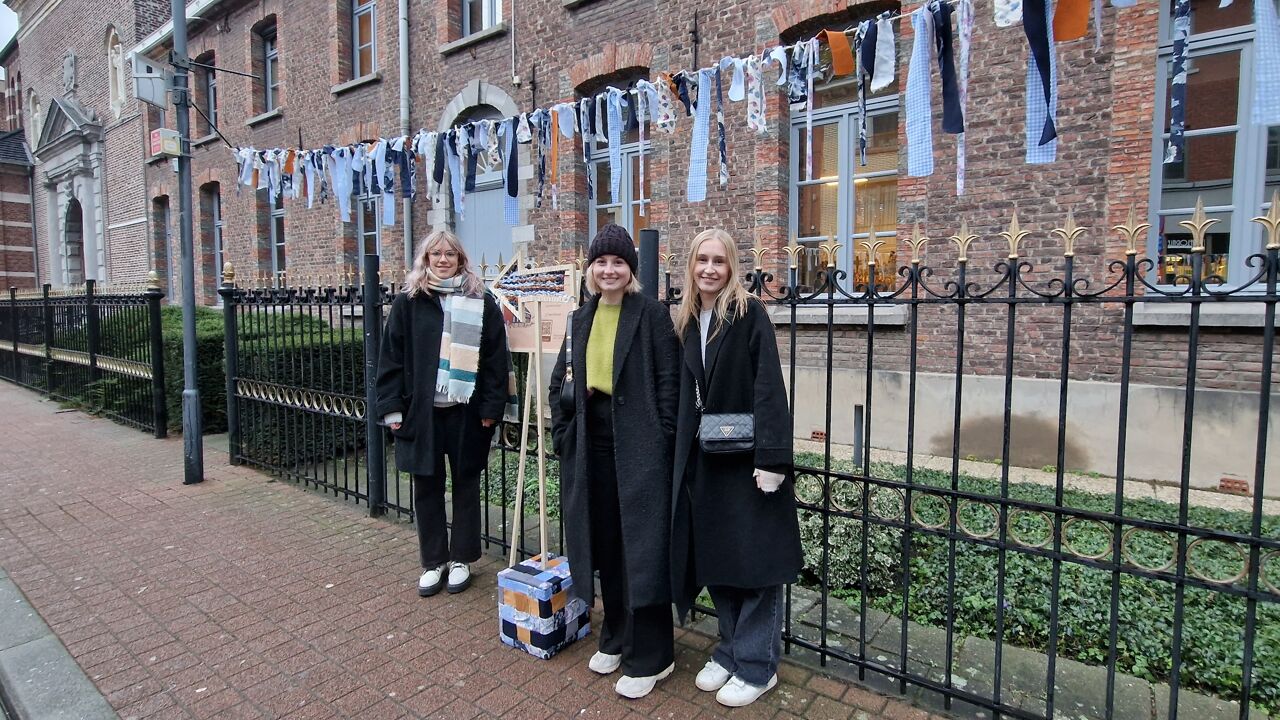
(802, 19)
(114, 51)
(614, 59)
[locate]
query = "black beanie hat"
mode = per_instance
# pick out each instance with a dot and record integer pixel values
(613, 240)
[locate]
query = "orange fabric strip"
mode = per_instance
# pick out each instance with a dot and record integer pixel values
(1070, 20)
(841, 52)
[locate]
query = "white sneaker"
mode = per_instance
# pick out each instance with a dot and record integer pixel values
(712, 677)
(738, 693)
(604, 663)
(431, 581)
(638, 687)
(459, 577)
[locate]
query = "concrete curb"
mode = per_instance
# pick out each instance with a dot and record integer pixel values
(39, 680)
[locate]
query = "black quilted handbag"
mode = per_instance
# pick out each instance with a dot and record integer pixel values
(720, 433)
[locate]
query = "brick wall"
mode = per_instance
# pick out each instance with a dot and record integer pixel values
(17, 263)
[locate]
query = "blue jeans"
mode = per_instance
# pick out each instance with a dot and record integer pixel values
(750, 631)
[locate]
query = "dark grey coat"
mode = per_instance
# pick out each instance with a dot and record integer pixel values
(725, 530)
(645, 387)
(407, 365)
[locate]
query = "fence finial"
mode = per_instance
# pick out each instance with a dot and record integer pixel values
(963, 240)
(1069, 232)
(1271, 221)
(228, 274)
(793, 250)
(1199, 224)
(153, 280)
(917, 242)
(1131, 231)
(758, 251)
(1014, 236)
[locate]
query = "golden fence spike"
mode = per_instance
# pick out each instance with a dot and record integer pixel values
(1069, 232)
(831, 250)
(793, 250)
(872, 248)
(963, 240)
(1014, 235)
(1131, 231)
(1271, 222)
(758, 251)
(1198, 225)
(153, 280)
(917, 243)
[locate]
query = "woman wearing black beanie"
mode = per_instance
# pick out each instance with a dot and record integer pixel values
(614, 444)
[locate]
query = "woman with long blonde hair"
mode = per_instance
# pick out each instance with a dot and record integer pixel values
(444, 381)
(734, 527)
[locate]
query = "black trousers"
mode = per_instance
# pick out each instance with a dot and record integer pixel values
(642, 636)
(462, 440)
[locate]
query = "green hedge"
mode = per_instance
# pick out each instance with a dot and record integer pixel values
(286, 438)
(1213, 626)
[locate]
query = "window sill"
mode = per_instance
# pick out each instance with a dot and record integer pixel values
(340, 88)
(1212, 314)
(474, 38)
(574, 4)
(264, 117)
(199, 142)
(886, 315)
(156, 159)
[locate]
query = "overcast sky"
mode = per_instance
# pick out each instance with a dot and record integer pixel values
(8, 24)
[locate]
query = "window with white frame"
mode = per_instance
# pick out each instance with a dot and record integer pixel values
(369, 226)
(215, 212)
(479, 15)
(842, 200)
(270, 69)
(630, 207)
(211, 98)
(1230, 163)
(364, 57)
(277, 241)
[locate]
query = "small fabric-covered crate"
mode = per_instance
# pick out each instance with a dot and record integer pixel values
(536, 611)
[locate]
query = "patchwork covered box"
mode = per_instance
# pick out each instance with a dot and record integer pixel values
(536, 611)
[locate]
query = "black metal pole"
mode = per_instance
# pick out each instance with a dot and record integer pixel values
(231, 344)
(159, 408)
(192, 427)
(377, 462)
(649, 261)
(91, 323)
(46, 318)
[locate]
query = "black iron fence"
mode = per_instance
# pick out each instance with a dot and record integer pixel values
(1033, 593)
(95, 346)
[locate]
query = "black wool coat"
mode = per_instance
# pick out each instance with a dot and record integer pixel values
(645, 388)
(725, 530)
(406, 382)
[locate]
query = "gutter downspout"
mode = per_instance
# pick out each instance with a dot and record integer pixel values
(406, 204)
(35, 245)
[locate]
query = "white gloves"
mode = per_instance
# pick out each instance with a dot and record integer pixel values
(768, 481)
(393, 418)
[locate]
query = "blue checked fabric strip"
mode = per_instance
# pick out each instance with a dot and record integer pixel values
(616, 104)
(1174, 148)
(696, 187)
(1041, 114)
(919, 100)
(1266, 71)
(510, 175)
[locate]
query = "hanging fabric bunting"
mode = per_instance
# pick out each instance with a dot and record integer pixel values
(1009, 12)
(964, 18)
(616, 105)
(1097, 25)
(919, 97)
(755, 96)
(952, 117)
(1035, 24)
(864, 43)
(1041, 88)
(1070, 20)
(720, 140)
(510, 175)
(646, 98)
(841, 53)
(808, 65)
(1173, 150)
(886, 54)
(696, 187)
(1266, 72)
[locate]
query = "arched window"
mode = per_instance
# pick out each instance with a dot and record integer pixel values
(629, 208)
(37, 116)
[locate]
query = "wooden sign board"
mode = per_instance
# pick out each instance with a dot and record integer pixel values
(517, 289)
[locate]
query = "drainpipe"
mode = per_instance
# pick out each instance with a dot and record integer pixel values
(406, 203)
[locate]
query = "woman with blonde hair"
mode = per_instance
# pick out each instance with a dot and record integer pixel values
(734, 525)
(614, 443)
(444, 381)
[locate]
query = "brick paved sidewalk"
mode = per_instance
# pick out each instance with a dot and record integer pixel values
(247, 598)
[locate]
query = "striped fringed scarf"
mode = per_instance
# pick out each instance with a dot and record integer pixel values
(460, 345)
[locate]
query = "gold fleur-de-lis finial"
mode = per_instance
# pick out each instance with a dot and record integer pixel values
(1069, 232)
(830, 250)
(1132, 231)
(1198, 225)
(963, 240)
(578, 261)
(758, 252)
(917, 242)
(872, 248)
(153, 280)
(228, 273)
(484, 266)
(793, 250)
(667, 259)
(1014, 235)
(1271, 221)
